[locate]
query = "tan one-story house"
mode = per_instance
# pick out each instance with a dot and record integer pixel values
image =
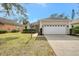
(8, 24)
(52, 26)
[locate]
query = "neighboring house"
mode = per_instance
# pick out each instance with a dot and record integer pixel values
(7, 24)
(52, 26)
(35, 25)
(75, 22)
(20, 27)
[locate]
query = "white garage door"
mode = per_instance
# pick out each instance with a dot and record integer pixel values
(55, 29)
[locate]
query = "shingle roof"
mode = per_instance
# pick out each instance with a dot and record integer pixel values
(54, 18)
(8, 21)
(50, 18)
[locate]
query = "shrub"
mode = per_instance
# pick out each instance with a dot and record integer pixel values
(29, 31)
(3, 31)
(77, 27)
(76, 30)
(14, 31)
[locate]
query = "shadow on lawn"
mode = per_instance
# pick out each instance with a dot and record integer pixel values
(44, 44)
(4, 40)
(11, 38)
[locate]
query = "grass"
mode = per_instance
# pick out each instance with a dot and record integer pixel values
(41, 47)
(15, 44)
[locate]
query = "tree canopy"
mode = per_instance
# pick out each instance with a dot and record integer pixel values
(58, 16)
(10, 8)
(14, 9)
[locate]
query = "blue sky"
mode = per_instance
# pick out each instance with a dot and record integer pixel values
(38, 11)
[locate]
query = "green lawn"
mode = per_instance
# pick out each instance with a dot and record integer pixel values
(20, 44)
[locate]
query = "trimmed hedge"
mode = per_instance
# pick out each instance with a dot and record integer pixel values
(3, 31)
(29, 31)
(14, 31)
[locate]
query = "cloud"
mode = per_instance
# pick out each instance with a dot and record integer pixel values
(42, 4)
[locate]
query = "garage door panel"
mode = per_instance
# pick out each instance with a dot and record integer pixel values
(54, 30)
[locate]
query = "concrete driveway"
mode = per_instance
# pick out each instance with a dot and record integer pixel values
(64, 45)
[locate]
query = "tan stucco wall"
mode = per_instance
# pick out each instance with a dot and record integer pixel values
(75, 22)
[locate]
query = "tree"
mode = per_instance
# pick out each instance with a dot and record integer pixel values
(53, 15)
(66, 17)
(13, 9)
(61, 16)
(72, 18)
(58, 16)
(73, 14)
(23, 21)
